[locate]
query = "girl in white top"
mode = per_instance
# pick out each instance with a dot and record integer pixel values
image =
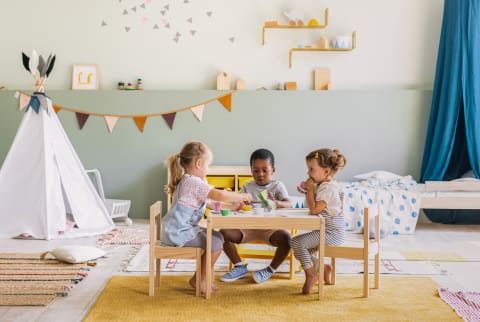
(324, 198)
(191, 194)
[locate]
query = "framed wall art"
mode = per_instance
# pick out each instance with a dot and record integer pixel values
(85, 77)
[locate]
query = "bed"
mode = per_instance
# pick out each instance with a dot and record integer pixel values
(399, 199)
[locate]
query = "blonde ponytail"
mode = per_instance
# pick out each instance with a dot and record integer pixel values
(175, 172)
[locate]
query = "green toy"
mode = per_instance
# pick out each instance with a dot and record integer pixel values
(263, 196)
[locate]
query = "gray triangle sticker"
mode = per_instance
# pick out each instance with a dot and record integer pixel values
(134, 9)
(190, 20)
(209, 13)
(104, 23)
(125, 12)
(167, 25)
(127, 29)
(142, 6)
(155, 26)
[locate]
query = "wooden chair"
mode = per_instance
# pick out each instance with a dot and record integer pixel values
(360, 250)
(158, 251)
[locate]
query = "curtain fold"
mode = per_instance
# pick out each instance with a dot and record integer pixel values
(453, 136)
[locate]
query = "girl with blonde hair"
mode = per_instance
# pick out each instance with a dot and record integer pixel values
(191, 195)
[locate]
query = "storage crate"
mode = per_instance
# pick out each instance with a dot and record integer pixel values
(242, 180)
(222, 182)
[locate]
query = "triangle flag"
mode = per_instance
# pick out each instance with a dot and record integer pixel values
(56, 108)
(111, 122)
(169, 118)
(81, 119)
(140, 121)
(198, 111)
(24, 100)
(226, 101)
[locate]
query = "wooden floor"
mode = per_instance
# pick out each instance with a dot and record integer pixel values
(463, 240)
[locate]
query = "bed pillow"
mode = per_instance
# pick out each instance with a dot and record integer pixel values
(77, 254)
(378, 175)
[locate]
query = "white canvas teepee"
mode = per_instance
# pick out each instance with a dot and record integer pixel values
(43, 184)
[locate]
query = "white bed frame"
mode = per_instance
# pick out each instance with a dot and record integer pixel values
(451, 195)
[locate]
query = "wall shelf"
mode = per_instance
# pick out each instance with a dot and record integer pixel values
(321, 26)
(292, 50)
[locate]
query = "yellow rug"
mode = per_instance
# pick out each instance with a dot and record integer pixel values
(432, 256)
(399, 298)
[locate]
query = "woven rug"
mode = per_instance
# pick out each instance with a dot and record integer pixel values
(432, 256)
(124, 236)
(125, 298)
(27, 280)
(466, 304)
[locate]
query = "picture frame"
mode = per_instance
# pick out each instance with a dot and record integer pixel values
(85, 77)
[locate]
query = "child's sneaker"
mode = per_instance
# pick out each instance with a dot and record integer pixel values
(237, 272)
(262, 275)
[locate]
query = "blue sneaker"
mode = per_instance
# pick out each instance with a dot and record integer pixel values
(262, 275)
(237, 272)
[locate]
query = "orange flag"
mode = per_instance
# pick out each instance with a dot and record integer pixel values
(111, 122)
(140, 121)
(56, 108)
(24, 100)
(226, 101)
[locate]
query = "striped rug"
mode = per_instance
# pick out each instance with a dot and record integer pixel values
(27, 280)
(466, 304)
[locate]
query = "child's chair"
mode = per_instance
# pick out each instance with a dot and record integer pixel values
(357, 249)
(158, 251)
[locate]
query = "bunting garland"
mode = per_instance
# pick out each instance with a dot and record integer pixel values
(25, 100)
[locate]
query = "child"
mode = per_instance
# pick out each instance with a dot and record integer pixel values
(188, 170)
(262, 165)
(323, 197)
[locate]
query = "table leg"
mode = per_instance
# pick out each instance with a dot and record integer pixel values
(208, 261)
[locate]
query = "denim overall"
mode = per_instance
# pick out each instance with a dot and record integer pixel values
(180, 224)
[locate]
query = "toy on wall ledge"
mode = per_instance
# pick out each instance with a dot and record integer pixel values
(223, 82)
(295, 17)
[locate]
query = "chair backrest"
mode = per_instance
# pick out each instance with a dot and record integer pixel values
(94, 173)
(155, 223)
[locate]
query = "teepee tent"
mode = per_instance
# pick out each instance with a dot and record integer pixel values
(44, 190)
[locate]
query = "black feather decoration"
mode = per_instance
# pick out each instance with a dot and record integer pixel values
(50, 66)
(26, 61)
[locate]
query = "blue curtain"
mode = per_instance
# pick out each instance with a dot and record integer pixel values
(452, 145)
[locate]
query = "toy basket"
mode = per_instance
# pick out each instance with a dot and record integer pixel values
(116, 208)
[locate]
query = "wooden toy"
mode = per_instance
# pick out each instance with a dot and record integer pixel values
(291, 86)
(323, 42)
(313, 23)
(322, 79)
(272, 23)
(223, 82)
(121, 85)
(240, 84)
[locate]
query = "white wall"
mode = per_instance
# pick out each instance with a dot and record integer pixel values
(397, 42)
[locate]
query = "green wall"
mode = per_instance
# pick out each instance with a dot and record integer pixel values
(376, 130)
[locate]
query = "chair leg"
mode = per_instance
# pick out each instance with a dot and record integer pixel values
(334, 271)
(151, 278)
(159, 270)
(365, 278)
(290, 257)
(377, 271)
(198, 275)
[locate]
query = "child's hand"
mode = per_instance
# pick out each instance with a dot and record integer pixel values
(302, 187)
(309, 184)
(245, 197)
(271, 196)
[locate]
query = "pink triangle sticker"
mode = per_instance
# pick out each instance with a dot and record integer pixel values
(111, 122)
(198, 111)
(23, 102)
